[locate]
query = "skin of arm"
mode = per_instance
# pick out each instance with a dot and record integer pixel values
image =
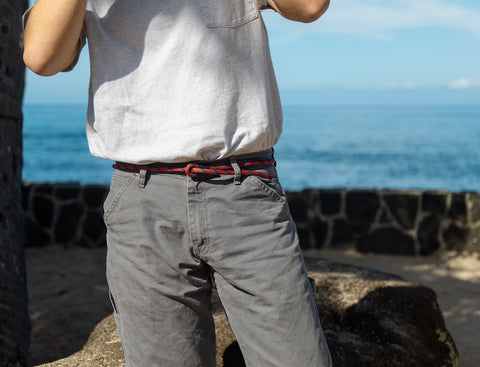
(305, 11)
(52, 33)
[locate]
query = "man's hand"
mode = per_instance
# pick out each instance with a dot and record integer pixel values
(300, 10)
(52, 34)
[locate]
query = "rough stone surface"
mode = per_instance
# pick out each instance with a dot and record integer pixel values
(458, 207)
(65, 214)
(67, 191)
(428, 234)
(385, 217)
(67, 222)
(94, 196)
(46, 189)
(456, 237)
(369, 319)
(404, 207)
(298, 204)
(43, 209)
(319, 231)
(343, 233)
(434, 203)
(474, 240)
(35, 233)
(93, 227)
(361, 209)
(305, 238)
(331, 202)
(475, 208)
(14, 320)
(387, 241)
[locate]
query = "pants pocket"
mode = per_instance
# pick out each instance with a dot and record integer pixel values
(271, 186)
(120, 182)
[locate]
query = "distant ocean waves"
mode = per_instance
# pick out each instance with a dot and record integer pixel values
(323, 146)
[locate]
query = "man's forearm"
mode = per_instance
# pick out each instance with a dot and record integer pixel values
(52, 35)
(300, 10)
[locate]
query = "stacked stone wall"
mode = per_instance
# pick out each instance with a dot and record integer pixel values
(391, 222)
(64, 214)
(381, 221)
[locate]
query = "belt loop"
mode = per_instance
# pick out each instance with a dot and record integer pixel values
(238, 171)
(142, 180)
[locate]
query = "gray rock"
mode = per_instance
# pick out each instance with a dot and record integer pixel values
(434, 202)
(369, 319)
(331, 201)
(458, 208)
(298, 204)
(428, 234)
(404, 207)
(343, 233)
(475, 205)
(456, 237)
(35, 235)
(378, 319)
(67, 221)
(94, 195)
(43, 208)
(94, 230)
(67, 191)
(362, 208)
(320, 230)
(388, 240)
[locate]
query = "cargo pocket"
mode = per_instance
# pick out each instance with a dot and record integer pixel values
(229, 13)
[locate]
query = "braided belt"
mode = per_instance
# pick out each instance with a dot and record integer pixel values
(194, 169)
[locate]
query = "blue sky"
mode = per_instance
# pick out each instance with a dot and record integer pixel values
(369, 51)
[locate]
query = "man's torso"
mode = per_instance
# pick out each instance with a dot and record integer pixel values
(179, 80)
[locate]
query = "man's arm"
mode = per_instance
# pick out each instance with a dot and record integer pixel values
(52, 34)
(300, 10)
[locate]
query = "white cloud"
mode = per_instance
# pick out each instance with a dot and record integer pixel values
(378, 19)
(463, 83)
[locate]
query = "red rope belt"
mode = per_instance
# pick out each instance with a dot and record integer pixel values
(193, 169)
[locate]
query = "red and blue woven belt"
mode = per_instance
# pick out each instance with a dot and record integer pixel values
(194, 169)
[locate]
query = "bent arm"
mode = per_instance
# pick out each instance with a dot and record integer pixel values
(52, 34)
(300, 10)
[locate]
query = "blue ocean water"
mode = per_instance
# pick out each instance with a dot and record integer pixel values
(323, 146)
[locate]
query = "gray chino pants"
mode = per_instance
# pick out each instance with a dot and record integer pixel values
(168, 235)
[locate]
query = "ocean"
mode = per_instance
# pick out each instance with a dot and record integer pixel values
(427, 147)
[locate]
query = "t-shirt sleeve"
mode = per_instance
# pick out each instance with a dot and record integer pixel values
(81, 41)
(263, 5)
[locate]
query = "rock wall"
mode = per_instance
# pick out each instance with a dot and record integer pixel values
(64, 214)
(391, 222)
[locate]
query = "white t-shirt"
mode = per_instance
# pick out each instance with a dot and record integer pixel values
(179, 80)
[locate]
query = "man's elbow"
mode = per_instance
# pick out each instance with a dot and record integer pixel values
(37, 67)
(314, 10)
(40, 64)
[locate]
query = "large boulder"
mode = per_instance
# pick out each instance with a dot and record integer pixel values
(369, 319)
